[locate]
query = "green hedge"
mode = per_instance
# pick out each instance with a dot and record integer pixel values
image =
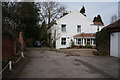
(103, 41)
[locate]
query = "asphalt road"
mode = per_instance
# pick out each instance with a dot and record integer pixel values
(42, 63)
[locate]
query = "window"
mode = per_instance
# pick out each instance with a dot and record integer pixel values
(79, 41)
(63, 41)
(94, 41)
(88, 41)
(63, 27)
(78, 28)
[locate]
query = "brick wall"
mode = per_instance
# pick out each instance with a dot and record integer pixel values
(8, 47)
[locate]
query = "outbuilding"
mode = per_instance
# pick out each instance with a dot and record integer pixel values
(108, 39)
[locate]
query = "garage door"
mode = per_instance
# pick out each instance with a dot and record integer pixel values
(114, 44)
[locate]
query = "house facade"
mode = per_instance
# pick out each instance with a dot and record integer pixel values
(73, 27)
(85, 39)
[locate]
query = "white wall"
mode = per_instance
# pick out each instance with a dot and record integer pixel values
(72, 20)
(114, 42)
(119, 44)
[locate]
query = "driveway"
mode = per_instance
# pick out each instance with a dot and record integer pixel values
(43, 63)
(77, 52)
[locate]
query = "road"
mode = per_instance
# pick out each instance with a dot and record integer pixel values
(51, 64)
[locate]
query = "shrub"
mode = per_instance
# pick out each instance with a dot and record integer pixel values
(68, 47)
(80, 46)
(95, 53)
(103, 41)
(88, 46)
(54, 44)
(94, 47)
(29, 42)
(72, 44)
(83, 46)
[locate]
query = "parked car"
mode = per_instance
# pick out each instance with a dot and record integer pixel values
(37, 44)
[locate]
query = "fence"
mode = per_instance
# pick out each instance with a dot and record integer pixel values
(8, 47)
(10, 63)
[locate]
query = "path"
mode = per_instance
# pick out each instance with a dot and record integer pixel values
(52, 64)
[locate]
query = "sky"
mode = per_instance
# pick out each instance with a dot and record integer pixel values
(105, 9)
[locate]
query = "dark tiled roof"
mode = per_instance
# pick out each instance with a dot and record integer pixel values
(113, 25)
(98, 23)
(85, 35)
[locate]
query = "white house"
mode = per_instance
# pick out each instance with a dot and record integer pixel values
(73, 27)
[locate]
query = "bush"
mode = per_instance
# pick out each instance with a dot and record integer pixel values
(88, 46)
(94, 47)
(72, 44)
(29, 42)
(54, 44)
(80, 46)
(68, 47)
(95, 53)
(103, 41)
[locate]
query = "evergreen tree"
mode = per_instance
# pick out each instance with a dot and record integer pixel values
(98, 19)
(23, 17)
(83, 11)
(95, 19)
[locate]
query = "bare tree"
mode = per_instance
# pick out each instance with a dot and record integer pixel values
(50, 11)
(55, 35)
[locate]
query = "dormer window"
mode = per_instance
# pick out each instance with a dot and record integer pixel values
(78, 28)
(63, 27)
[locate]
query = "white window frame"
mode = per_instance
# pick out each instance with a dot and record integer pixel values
(94, 42)
(88, 42)
(78, 28)
(63, 27)
(79, 41)
(63, 42)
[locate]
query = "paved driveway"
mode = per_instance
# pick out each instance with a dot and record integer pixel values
(51, 64)
(77, 52)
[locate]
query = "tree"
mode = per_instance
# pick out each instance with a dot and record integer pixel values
(65, 13)
(98, 19)
(23, 17)
(43, 32)
(50, 11)
(83, 11)
(8, 14)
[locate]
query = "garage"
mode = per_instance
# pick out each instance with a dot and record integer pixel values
(108, 40)
(114, 44)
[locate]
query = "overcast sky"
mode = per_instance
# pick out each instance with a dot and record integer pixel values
(105, 9)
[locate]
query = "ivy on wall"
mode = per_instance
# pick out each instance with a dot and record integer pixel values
(103, 42)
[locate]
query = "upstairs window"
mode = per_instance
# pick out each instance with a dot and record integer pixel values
(63, 27)
(78, 28)
(63, 41)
